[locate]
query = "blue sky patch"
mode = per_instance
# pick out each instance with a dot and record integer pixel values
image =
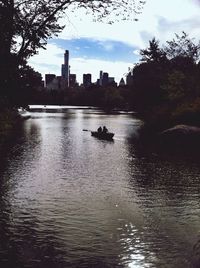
(97, 49)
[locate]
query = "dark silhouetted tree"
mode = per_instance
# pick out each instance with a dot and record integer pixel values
(30, 82)
(146, 89)
(153, 53)
(183, 46)
(166, 85)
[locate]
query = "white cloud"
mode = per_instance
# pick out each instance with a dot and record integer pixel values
(49, 60)
(51, 55)
(175, 12)
(115, 69)
(86, 28)
(136, 52)
(108, 46)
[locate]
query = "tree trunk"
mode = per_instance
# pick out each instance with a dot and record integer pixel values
(7, 62)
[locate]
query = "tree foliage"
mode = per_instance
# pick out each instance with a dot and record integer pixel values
(183, 46)
(153, 53)
(26, 25)
(166, 84)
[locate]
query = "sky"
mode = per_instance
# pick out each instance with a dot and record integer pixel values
(113, 48)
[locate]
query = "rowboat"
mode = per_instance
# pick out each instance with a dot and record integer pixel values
(103, 135)
(23, 113)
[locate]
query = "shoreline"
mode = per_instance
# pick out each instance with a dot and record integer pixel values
(9, 119)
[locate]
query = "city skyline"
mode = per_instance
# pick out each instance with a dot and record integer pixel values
(114, 48)
(68, 80)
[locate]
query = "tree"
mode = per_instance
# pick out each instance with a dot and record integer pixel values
(146, 89)
(30, 82)
(112, 98)
(153, 53)
(167, 92)
(25, 85)
(183, 46)
(175, 86)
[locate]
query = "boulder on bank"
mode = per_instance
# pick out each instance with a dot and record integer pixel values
(180, 135)
(182, 130)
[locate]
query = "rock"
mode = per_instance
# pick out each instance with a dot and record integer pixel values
(182, 136)
(181, 130)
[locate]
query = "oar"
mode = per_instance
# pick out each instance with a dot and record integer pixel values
(87, 130)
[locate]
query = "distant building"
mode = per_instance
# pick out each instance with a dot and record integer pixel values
(98, 82)
(65, 68)
(122, 82)
(49, 78)
(72, 80)
(53, 85)
(61, 83)
(105, 79)
(53, 82)
(100, 78)
(111, 81)
(87, 80)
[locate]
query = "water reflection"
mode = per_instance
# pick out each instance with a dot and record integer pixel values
(168, 190)
(70, 200)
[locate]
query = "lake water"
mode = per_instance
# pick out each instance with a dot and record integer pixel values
(68, 199)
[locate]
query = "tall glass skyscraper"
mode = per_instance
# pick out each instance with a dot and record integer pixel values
(65, 67)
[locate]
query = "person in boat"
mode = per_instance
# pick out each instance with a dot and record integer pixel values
(99, 130)
(105, 130)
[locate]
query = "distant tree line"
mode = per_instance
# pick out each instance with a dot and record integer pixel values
(108, 98)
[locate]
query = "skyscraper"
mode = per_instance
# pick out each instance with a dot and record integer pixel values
(65, 67)
(100, 78)
(49, 78)
(87, 80)
(105, 79)
(66, 57)
(72, 80)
